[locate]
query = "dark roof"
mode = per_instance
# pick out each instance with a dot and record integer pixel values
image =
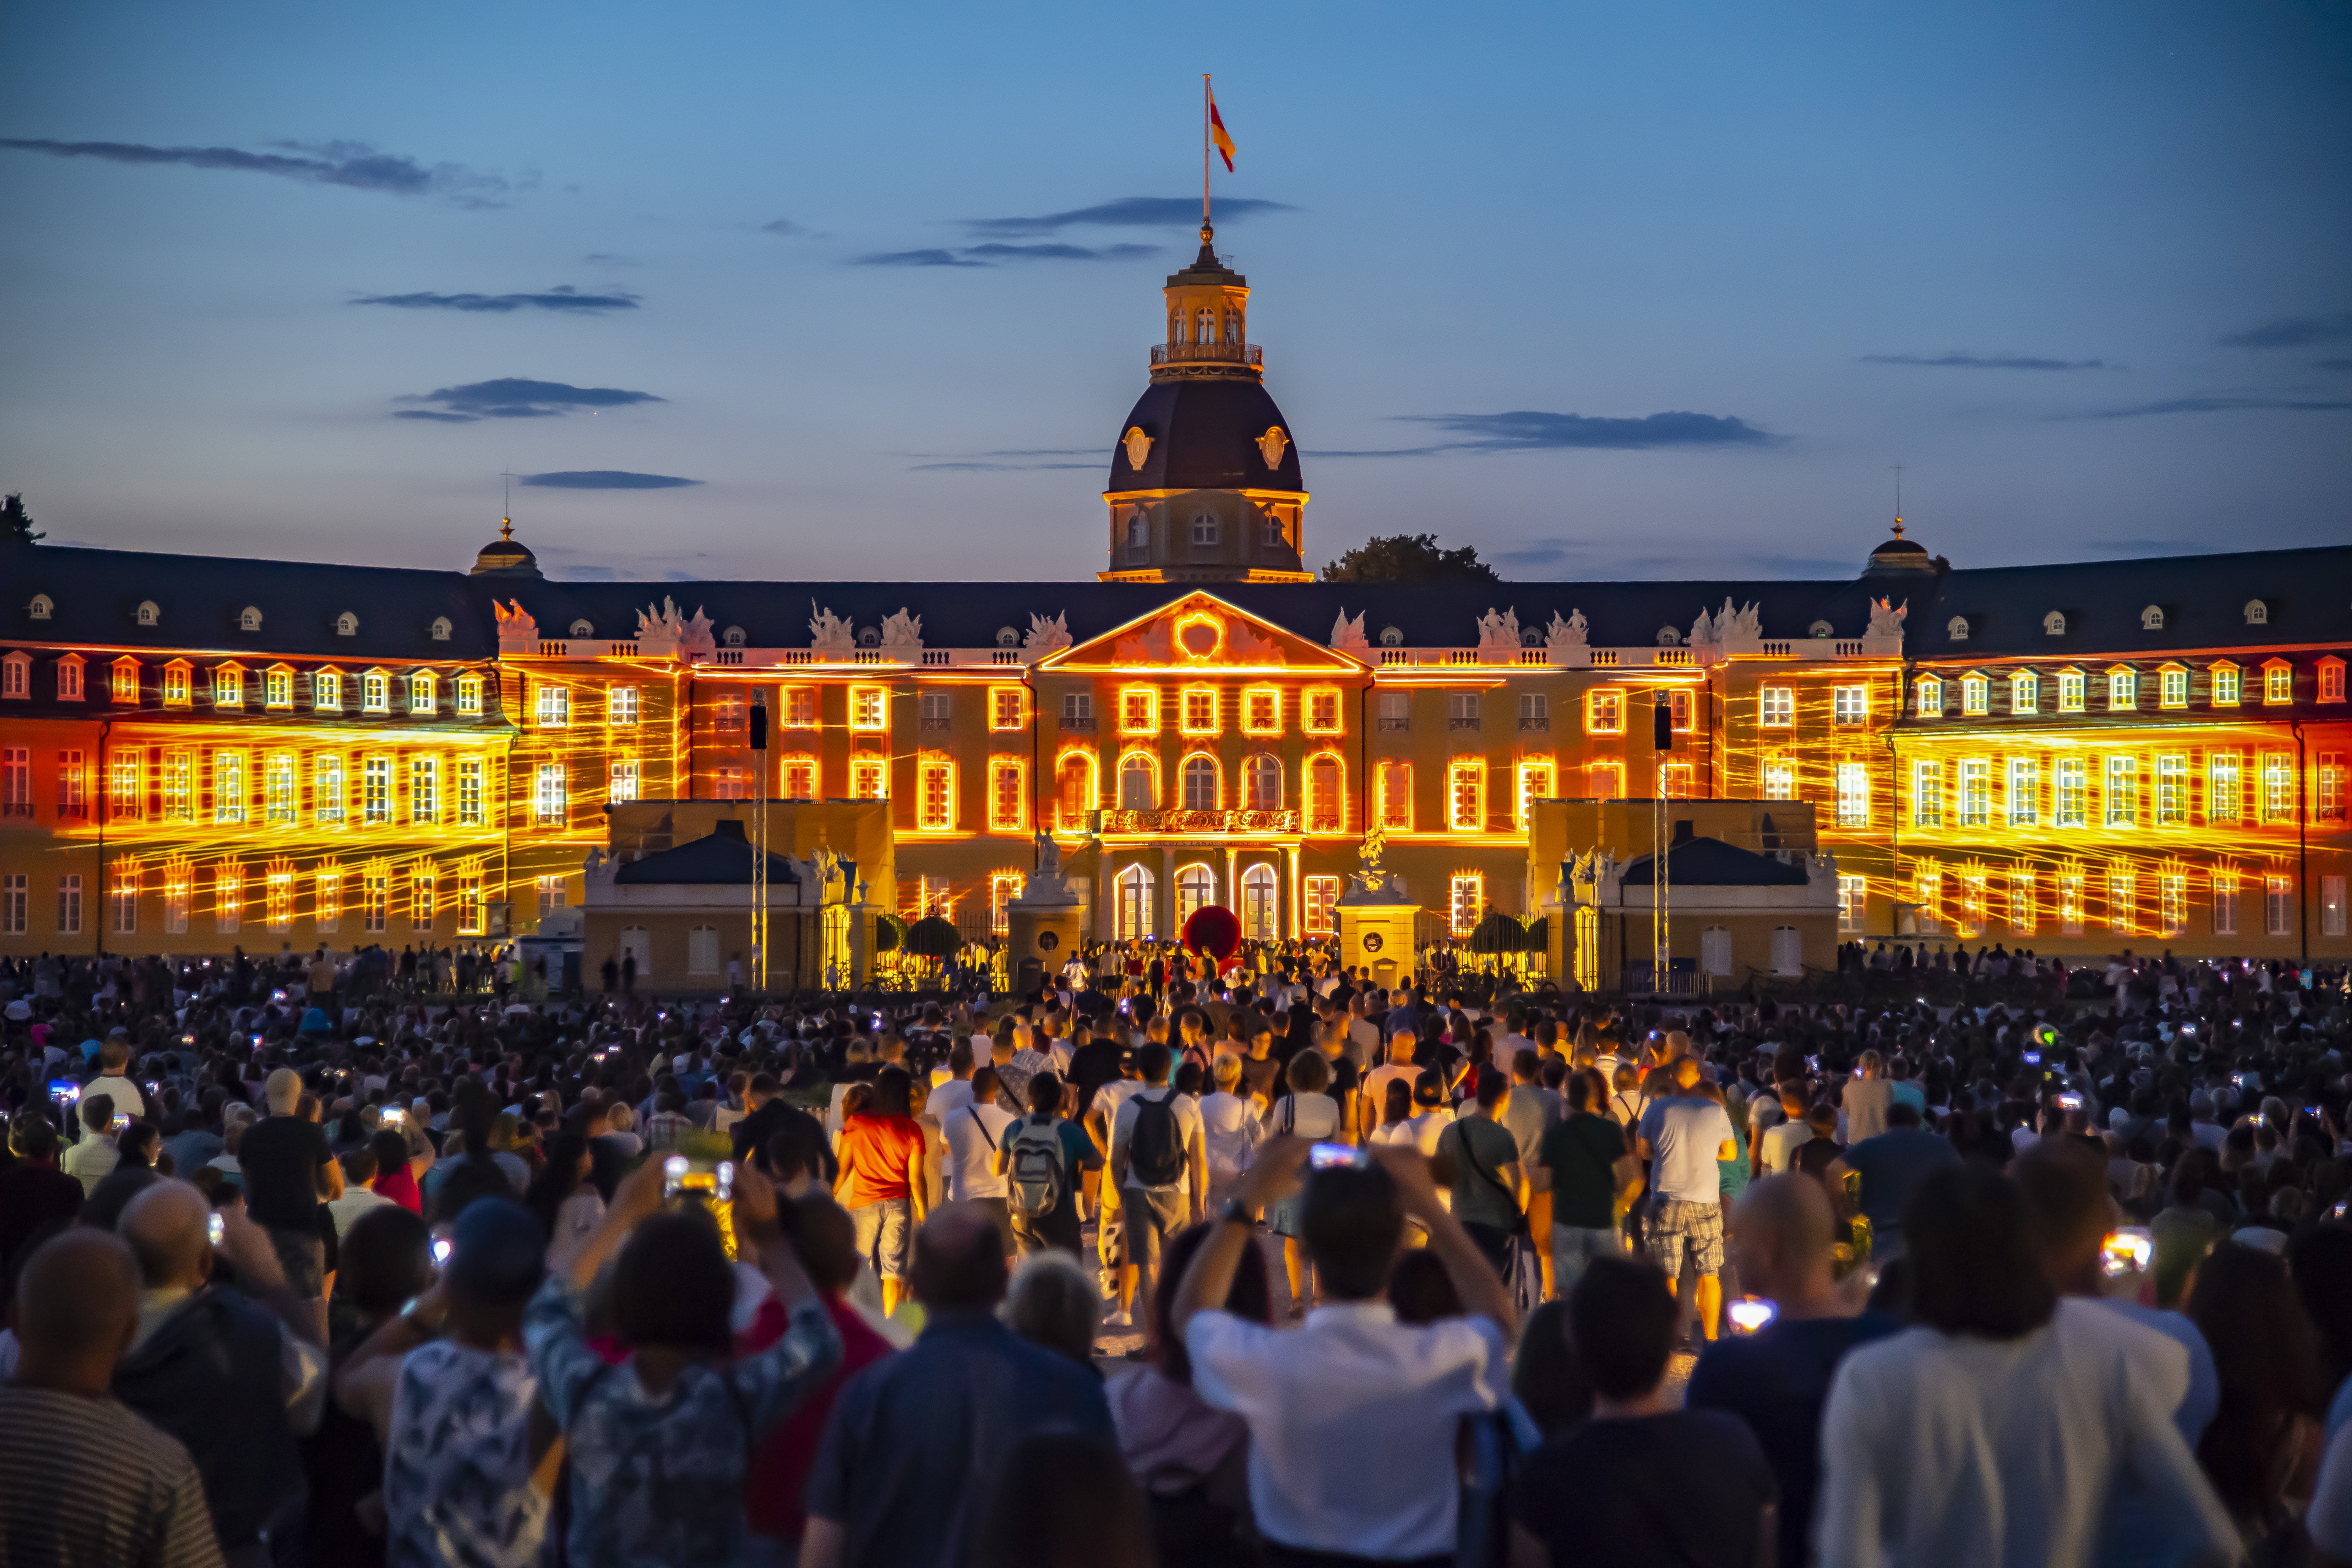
(1711, 863)
(723, 858)
(1204, 436)
(2307, 595)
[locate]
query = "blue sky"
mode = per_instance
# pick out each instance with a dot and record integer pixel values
(2081, 268)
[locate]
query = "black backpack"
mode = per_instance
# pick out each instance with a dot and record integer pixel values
(1155, 1145)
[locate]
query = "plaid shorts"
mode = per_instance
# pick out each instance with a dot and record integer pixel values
(1674, 1225)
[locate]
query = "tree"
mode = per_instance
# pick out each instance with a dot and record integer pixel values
(1410, 558)
(15, 523)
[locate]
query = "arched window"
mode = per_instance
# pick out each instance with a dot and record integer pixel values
(1074, 790)
(1138, 531)
(1135, 904)
(1196, 888)
(1205, 326)
(1139, 783)
(1200, 783)
(1234, 327)
(1326, 809)
(1261, 780)
(1176, 327)
(1258, 904)
(1714, 951)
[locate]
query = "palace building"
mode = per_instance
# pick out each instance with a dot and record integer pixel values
(199, 752)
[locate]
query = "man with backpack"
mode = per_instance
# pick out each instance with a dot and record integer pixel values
(1042, 1156)
(1159, 1162)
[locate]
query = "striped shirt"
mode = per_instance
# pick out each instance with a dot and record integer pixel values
(84, 1483)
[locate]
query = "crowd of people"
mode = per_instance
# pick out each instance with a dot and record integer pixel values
(1161, 1265)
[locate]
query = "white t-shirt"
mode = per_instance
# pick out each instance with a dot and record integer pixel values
(1780, 1142)
(946, 1096)
(1231, 1124)
(120, 1091)
(1304, 1116)
(974, 1133)
(1188, 1128)
(1111, 1096)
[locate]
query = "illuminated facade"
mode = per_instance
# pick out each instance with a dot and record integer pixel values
(199, 752)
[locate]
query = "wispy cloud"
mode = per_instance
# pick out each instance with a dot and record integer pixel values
(512, 398)
(605, 479)
(1126, 212)
(933, 256)
(608, 259)
(1582, 557)
(997, 251)
(2292, 332)
(1988, 362)
(2332, 364)
(1005, 460)
(2217, 402)
(1532, 430)
(970, 466)
(562, 297)
(784, 225)
(351, 164)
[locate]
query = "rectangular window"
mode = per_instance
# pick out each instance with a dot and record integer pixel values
(727, 714)
(375, 692)
(1008, 708)
(2228, 686)
(800, 778)
(425, 791)
(869, 778)
(623, 782)
(327, 900)
(935, 796)
(422, 695)
(1930, 695)
(1003, 887)
(2024, 692)
(1535, 784)
(469, 696)
(799, 707)
(327, 787)
(1322, 711)
(1976, 792)
(1928, 892)
(870, 708)
(277, 896)
(1976, 695)
(1462, 710)
(420, 901)
(2331, 786)
(2225, 904)
(1321, 898)
(1678, 784)
(2331, 680)
(179, 894)
(2278, 683)
(1396, 795)
(1604, 711)
(12, 901)
(2123, 903)
(2278, 906)
(1605, 781)
(326, 691)
(69, 904)
(1681, 711)
(376, 792)
(69, 678)
(2070, 691)
(1972, 903)
(473, 905)
(16, 781)
(2123, 690)
(179, 786)
(1927, 794)
(1853, 795)
(1466, 796)
(228, 900)
(552, 894)
(2070, 904)
(126, 785)
(178, 679)
(123, 685)
(1468, 901)
(375, 901)
(2172, 789)
(1849, 706)
(2073, 807)
(122, 900)
(1776, 706)
(16, 676)
(554, 709)
(73, 785)
(1780, 778)
(1005, 797)
(1199, 711)
(621, 706)
(470, 812)
(1853, 893)
(2123, 791)
(2024, 903)
(1261, 710)
(228, 686)
(2225, 789)
(2278, 786)
(1078, 709)
(728, 783)
(551, 804)
(936, 710)
(2172, 904)
(2331, 906)
(1396, 710)
(228, 787)
(2172, 687)
(281, 788)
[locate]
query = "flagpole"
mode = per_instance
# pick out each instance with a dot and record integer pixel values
(1205, 149)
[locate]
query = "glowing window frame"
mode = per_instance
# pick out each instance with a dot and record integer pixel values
(2123, 689)
(879, 698)
(1595, 699)
(277, 688)
(1308, 818)
(2227, 676)
(1306, 701)
(2169, 678)
(1610, 771)
(424, 692)
(1216, 781)
(2074, 691)
(1092, 799)
(1477, 882)
(179, 684)
(1148, 697)
(327, 690)
(996, 699)
(881, 766)
(798, 706)
(2278, 683)
(927, 770)
(784, 766)
(469, 696)
(375, 690)
(1386, 768)
(2024, 692)
(1927, 698)
(1776, 706)
(1530, 770)
(999, 766)
(1976, 694)
(228, 685)
(1457, 770)
(1251, 697)
(122, 679)
(2327, 679)
(1185, 701)
(1253, 767)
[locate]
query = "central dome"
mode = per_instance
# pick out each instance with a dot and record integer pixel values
(1205, 435)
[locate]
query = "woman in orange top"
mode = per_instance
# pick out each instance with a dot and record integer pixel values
(882, 1182)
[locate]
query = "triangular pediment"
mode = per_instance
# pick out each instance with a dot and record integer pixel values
(1200, 632)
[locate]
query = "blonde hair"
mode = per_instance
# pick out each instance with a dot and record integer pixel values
(1229, 1072)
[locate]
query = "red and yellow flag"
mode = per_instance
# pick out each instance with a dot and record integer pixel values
(1217, 134)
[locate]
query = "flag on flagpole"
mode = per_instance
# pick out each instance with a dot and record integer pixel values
(1217, 134)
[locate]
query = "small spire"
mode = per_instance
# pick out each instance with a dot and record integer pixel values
(506, 528)
(1208, 257)
(1898, 528)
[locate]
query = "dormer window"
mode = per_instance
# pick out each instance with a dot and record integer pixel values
(42, 608)
(179, 683)
(423, 697)
(1669, 637)
(1976, 695)
(2122, 689)
(2229, 684)
(2330, 671)
(2071, 691)
(469, 696)
(2151, 619)
(327, 691)
(2172, 686)
(1391, 637)
(2054, 624)
(278, 687)
(248, 619)
(1530, 637)
(733, 637)
(2278, 682)
(16, 676)
(1930, 697)
(1275, 538)
(228, 686)
(375, 691)
(1820, 629)
(69, 678)
(1205, 533)
(1007, 638)
(1956, 628)
(867, 636)
(583, 627)
(440, 628)
(2258, 612)
(122, 683)
(347, 624)
(149, 613)
(2024, 692)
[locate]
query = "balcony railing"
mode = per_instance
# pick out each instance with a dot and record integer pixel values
(1207, 354)
(1459, 723)
(1180, 822)
(1530, 721)
(1082, 722)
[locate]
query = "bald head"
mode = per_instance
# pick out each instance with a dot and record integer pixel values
(283, 1092)
(959, 1259)
(167, 1226)
(1783, 1230)
(77, 1301)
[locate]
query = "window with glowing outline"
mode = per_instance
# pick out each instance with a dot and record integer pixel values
(178, 683)
(870, 708)
(1261, 710)
(1327, 794)
(1466, 796)
(1008, 708)
(1322, 711)
(1604, 711)
(1776, 706)
(2227, 687)
(1467, 901)
(1198, 779)
(1138, 710)
(1008, 795)
(935, 796)
(2225, 787)
(1197, 714)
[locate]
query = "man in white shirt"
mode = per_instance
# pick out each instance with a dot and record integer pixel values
(973, 1133)
(1353, 1416)
(1683, 1136)
(1159, 1162)
(113, 1080)
(1231, 1130)
(357, 1197)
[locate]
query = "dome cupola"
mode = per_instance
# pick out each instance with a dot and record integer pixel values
(1898, 557)
(503, 557)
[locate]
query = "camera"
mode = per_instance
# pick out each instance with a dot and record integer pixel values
(65, 1091)
(714, 1178)
(2070, 1101)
